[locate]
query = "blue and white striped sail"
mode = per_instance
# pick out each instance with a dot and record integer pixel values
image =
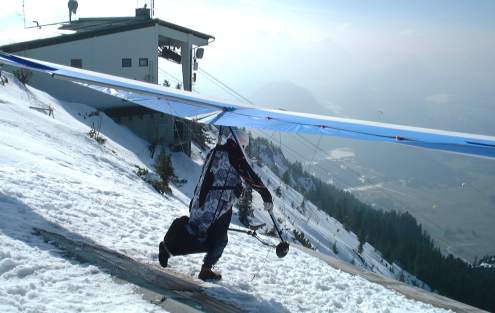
(206, 110)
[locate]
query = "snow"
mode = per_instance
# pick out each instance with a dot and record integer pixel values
(53, 176)
(321, 230)
(340, 153)
(365, 187)
(12, 36)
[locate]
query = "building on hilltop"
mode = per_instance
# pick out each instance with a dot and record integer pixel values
(128, 47)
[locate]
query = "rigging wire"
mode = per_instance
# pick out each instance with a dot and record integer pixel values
(316, 149)
(255, 274)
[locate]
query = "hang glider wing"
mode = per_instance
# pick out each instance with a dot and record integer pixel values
(205, 110)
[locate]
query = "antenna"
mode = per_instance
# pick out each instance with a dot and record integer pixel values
(24, 13)
(72, 8)
(151, 6)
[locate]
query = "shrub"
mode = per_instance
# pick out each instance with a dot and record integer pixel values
(94, 133)
(200, 135)
(141, 172)
(165, 170)
(245, 206)
(334, 247)
(23, 75)
(161, 187)
(302, 239)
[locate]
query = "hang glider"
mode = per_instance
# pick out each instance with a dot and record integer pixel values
(202, 109)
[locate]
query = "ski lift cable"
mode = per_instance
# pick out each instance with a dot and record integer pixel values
(235, 93)
(232, 91)
(227, 89)
(169, 75)
(226, 86)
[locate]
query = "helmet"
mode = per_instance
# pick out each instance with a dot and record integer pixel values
(242, 137)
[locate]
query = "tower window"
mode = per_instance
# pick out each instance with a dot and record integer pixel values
(126, 62)
(76, 63)
(143, 62)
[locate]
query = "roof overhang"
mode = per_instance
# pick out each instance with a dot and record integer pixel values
(107, 29)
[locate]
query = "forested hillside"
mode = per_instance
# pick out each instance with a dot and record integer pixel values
(398, 236)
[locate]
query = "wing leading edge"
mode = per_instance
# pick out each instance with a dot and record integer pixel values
(206, 110)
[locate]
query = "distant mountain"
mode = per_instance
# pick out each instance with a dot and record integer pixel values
(289, 96)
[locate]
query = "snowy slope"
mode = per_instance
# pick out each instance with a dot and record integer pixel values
(52, 174)
(319, 228)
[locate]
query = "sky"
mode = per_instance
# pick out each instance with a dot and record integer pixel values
(400, 56)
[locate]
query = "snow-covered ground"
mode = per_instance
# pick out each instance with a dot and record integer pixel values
(53, 175)
(326, 234)
(12, 36)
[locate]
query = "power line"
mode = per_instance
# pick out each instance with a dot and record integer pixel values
(226, 86)
(316, 147)
(169, 75)
(230, 90)
(227, 90)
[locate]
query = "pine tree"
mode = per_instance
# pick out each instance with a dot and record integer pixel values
(303, 206)
(245, 206)
(360, 247)
(200, 135)
(361, 242)
(286, 177)
(165, 170)
(334, 247)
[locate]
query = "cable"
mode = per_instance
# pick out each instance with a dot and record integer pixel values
(227, 90)
(239, 96)
(169, 75)
(262, 265)
(289, 149)
(316, 149)
(226, 86)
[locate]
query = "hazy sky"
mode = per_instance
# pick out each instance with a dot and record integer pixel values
(395, 54)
